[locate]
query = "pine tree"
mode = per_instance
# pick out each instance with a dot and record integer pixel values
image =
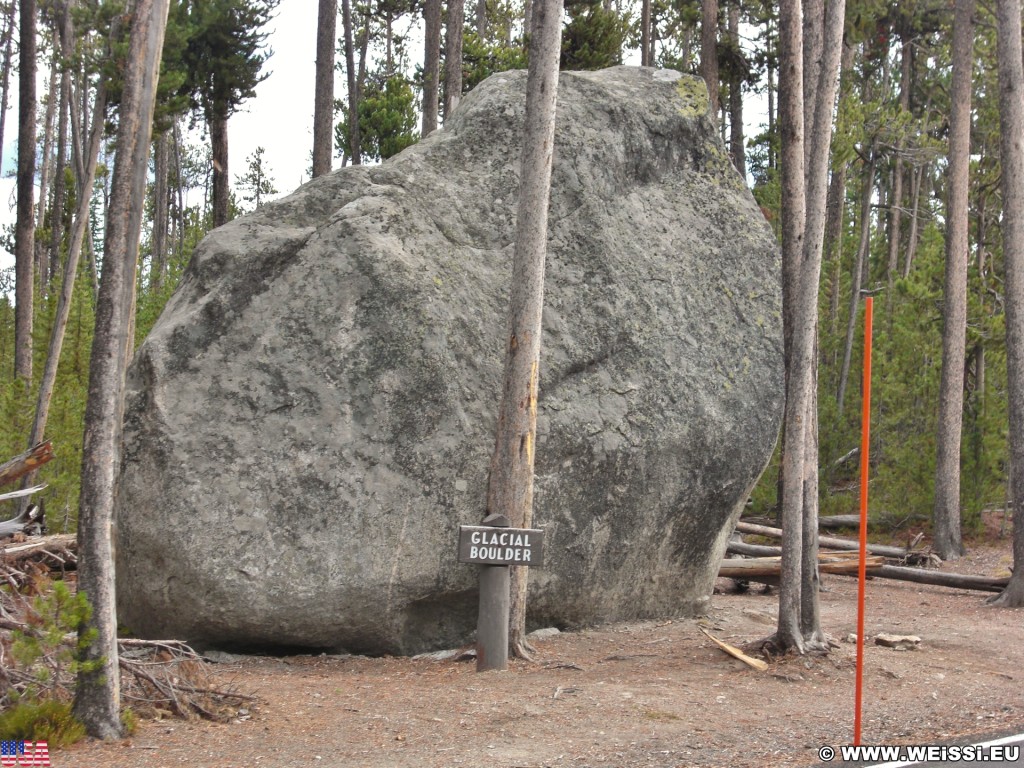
(224, 60)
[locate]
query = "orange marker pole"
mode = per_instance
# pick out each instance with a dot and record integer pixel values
(865, 444)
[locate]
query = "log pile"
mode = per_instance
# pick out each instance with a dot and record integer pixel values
(761, 563)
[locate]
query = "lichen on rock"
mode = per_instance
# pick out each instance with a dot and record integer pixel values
(312, 416)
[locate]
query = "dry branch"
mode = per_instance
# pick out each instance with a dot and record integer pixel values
(29, 461)
(736, 652)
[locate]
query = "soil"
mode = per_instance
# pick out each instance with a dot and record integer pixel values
(655, 693)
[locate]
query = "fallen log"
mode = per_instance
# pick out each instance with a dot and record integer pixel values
(29, 461)
(939, 578)
(830, 542)
(29, 517)
(748, 568)
(839, 521)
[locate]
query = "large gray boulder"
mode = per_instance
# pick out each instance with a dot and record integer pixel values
(312, 417)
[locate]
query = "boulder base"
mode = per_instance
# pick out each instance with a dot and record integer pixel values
(312, 417)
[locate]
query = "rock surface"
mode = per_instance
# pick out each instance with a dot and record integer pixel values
(312, 417)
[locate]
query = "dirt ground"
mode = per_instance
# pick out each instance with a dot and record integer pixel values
(638, 694)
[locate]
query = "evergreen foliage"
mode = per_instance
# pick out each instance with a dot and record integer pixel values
(593, 37)
(387, 118)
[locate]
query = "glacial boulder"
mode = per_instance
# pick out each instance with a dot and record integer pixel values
(312, 416)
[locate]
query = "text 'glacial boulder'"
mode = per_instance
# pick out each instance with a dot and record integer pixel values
(313, 415)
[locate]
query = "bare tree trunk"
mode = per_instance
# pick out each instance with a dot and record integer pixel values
(858, 271)
(916, 184)
(481, 19)
(161, 210)
(794, 208)
(896, 202)
(24, 231)
(1011, 116)
(453, 57)
(816, 183)
(221, 190)
(431, 64)
(353, 92)
(709, 52)
(97, 696)
(59, 182)
(46, 172)
(323, 102)
(813, 42)
(804, 196)
(645, 34)
(511, 483)
(78, 231)
(5, 77)
(736, 148)
(948, 542)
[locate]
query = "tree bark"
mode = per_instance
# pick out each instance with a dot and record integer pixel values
(510, 492)
(353, 92)
(481, 19)
(858, 270)
(59, 182)
(1011, 117)
(736, 148)
(97, 695)
(453, 57)
(791, 125)
(431, 64)
(78, 231)
(323, 101)
(948, 542)
(46, 172)
(161, 210)
(24, 231)
(645, 34)
(5, 76)
(221, 189)
(709, 52)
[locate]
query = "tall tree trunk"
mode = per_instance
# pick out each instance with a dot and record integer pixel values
(323, 101)
(794, 207)
(511, 483)
(645, 34)
(709, 51)
(59, 182)
(805, 349)
(161, 210)
(896, 202)
(813, 43)
(858, 272)
(78, 232)
(221, 190)
(481, 19)
(24, 231)
(835, 209)
(453, 57)
(353, 92)
(1011, 117)
(431, 64)
(5, 74)
(736, 148)
(916, 185)
(948, 542)
(46, 172)
(97, 696)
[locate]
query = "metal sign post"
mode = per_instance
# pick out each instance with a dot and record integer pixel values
(495, 546)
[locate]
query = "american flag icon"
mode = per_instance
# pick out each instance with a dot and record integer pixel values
(24, 753)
